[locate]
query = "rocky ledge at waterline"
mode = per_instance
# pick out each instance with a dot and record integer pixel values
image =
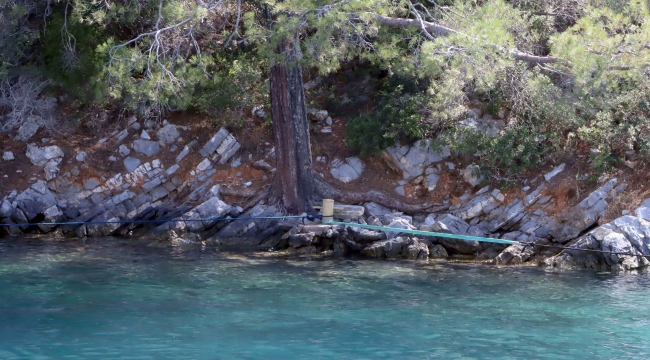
(153, 186)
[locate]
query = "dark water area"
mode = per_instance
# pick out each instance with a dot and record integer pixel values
(113, 299)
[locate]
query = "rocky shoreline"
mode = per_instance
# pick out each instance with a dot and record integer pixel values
(182, 192)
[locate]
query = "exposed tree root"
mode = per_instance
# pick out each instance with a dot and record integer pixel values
(328, 191)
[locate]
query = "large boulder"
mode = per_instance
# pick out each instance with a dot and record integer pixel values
(573, 221)
(454, 225)
(622, 244)
(391, 248)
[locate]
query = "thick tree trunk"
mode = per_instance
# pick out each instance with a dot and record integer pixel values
(294, 180)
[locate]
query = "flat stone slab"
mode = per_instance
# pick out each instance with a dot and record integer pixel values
(146, 147)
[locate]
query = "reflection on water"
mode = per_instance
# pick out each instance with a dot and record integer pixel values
(121, 300)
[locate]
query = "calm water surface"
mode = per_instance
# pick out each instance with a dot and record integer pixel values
(117, 300)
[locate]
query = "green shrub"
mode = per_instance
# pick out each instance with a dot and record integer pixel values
(78, 70)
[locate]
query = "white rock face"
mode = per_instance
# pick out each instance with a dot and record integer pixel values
(469, 175)
(412, 160)
(347, 170)
(48, 157)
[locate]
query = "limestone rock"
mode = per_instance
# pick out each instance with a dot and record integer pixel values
(471, 175)
(81, 156)
(40, 156)
(124, 151)
(317, 115)
(168, 134)
(391, 248)
(374, 209)
(572, 221)
(146, 147)
(417, 251)
(347, 170)
(554, 172)
(438, 251)
(454, 225)
(182, 154)
(412, 160)
(131, 163)
(29, 128)
(625, 235)
(398, 223)
(214, 142)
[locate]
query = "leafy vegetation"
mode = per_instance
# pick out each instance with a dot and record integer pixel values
(559, 73)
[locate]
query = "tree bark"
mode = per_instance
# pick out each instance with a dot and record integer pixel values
(293, 186)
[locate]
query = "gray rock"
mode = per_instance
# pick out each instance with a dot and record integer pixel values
(554, 172)
(145, 135)
(148, 186)
(391, 248)
(412, 160)
(81, 156)
(214, 142)
(400, 190)
(438, 251)
(471, 175)
(131, 163)
(476, 206)
(112, 158)
(172, 169)
(146, 147)
(398, 223)
(643, 211)
(317, 115)
(515, 255)
(91, 183)
(572, 221)
(374, 209)
(124, 151)
(236, 162)
(229, 151)
(122, 135)
(183, 154)
(159, 193)
(40, 156)
(454, 225)
(168, 134)
(28, 129)
(365, 235)
(347, 171)
(7, 156)
(417, 251)
(298, 240)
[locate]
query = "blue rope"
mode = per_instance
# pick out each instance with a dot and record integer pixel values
(160, 221)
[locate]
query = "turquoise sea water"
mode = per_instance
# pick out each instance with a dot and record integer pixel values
(118, 300)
